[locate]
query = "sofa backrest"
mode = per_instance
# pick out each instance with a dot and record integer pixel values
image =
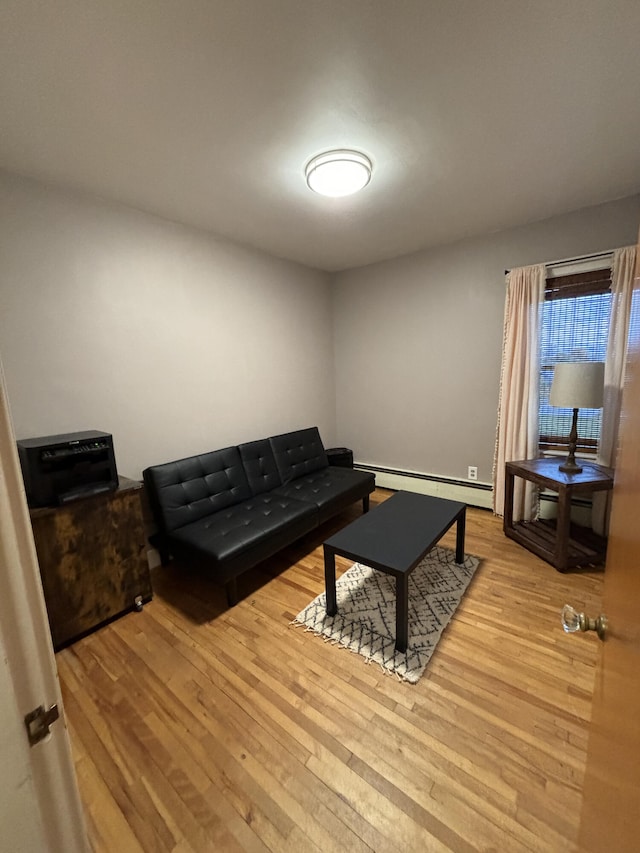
(298, 453)
(190, 489)
(260, 466)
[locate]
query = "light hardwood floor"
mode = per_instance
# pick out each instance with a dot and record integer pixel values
(201, 728)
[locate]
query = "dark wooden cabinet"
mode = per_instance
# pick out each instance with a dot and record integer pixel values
(93, 562)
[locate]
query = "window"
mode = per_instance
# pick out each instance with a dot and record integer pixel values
(575, 327)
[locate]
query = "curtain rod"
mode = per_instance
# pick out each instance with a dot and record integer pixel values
(577, 260)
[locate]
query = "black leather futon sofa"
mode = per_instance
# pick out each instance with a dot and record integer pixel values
(227, 510)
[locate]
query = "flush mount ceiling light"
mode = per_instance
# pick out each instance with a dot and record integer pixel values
(338, 173)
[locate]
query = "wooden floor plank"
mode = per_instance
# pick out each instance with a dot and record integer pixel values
(196, 727)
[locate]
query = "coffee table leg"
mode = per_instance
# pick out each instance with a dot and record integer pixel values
(330, 581)
(402, 612)
(460, 536)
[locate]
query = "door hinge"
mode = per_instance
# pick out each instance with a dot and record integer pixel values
(38, 722)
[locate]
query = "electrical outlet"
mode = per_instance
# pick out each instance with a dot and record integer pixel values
(472, 472)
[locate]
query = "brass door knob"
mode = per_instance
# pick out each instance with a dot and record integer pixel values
(573, 621)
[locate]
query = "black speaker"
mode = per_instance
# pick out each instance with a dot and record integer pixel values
(340, 456)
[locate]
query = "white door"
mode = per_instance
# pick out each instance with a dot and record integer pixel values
(610, 814)
(40, 808)
(21, 823)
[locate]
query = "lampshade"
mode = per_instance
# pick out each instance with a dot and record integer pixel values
(578, 385)
(338, 173)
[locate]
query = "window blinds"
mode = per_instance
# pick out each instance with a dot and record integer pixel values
(575, 327)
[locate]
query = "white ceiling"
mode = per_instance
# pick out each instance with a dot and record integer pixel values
(477, 114)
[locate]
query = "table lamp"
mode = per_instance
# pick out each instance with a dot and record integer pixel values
(576, 385)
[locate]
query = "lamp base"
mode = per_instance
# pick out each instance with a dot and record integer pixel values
(570, 467)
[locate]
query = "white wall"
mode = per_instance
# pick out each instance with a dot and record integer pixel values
(174, 341)
(418, 341)
(178, 342)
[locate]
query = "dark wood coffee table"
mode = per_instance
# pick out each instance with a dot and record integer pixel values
(393, 538)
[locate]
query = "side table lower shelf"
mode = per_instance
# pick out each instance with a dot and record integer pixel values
(584, 547)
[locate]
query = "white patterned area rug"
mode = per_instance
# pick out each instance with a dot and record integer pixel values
(366, 617)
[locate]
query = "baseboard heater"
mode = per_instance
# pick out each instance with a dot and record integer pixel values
(553, 499)
(467, 491)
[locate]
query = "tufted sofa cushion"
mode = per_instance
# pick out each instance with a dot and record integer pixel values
(330, 489)
(298, 453)
(248, 531)
(193, 488)
(260, 466)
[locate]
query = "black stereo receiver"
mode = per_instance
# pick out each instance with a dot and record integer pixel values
(61, 468)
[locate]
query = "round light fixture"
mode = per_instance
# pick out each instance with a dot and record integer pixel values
(338, 173)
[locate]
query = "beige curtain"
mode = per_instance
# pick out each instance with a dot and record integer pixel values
(622, 272)
(517, 430)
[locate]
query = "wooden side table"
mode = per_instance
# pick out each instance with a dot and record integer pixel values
(560, 543)
(92, 557)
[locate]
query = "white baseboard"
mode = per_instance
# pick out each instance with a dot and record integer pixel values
(473, 494)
